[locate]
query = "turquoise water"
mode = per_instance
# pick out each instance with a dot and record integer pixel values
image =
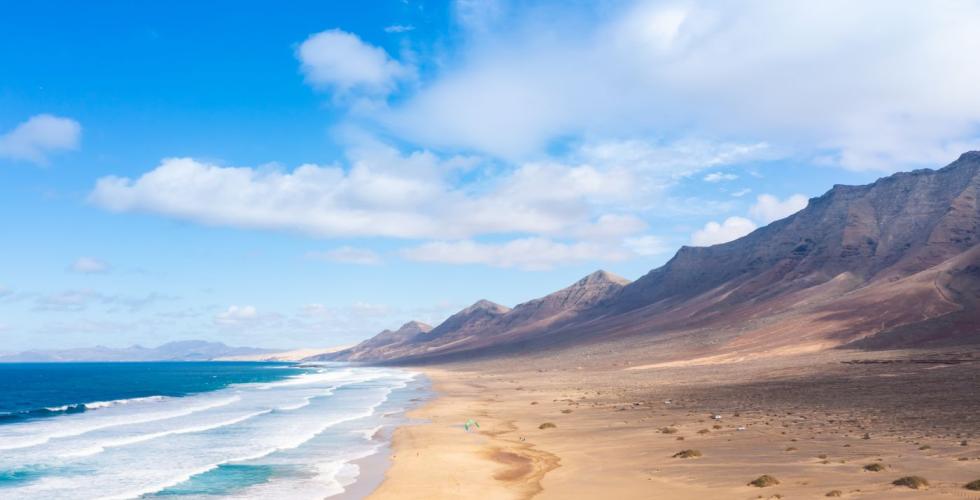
(193, 430)
(227, 479)
(37, 390)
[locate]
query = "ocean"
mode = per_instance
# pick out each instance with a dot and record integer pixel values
(194, 430)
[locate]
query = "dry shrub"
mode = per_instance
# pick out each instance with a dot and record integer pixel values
(687, 454)
(764, 481)
(914, 482)
(547, 425)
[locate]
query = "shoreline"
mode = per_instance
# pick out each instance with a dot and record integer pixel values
(435, 457)
(372, 469)
(799, 423)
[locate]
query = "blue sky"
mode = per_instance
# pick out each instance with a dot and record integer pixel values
(308, 173)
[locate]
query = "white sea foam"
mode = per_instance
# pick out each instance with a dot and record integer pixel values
(36, 433)
(126, 441)
(370, 433)
(95, 405)
(315, 425)
(105, 404)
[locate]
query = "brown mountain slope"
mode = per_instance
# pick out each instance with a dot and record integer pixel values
(897, 226)
(583, 294)
(480, 323)
(381, 345)
(893, 263)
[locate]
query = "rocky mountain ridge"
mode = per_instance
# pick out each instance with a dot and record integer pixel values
(889, 264)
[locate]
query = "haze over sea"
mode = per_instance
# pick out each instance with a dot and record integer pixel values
(192, 429)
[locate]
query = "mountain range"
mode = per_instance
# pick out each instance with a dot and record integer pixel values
(187, 350)
(892, 264)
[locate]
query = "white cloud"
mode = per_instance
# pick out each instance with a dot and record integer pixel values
(671, 160)
(719, 176)
(714, 233)
(806, 76)
(646, 245)
(89, 265)
(39, 136)
(342, 62)
(348, 255)
(769, 208)
(399, 28)
(594, 197)
(385, 193)
(237, 316)
(321, 200)
(527, 253)
(741, 192)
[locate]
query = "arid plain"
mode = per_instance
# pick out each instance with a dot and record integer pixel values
(841, 423)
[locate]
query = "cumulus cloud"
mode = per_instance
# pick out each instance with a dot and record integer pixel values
(38, 137)
(89, 265)
(598, 192)
(714, 233)
(808, 76)
(348, 255)
(342, 62)
(768, 208)
(419, 195)
(320, 200)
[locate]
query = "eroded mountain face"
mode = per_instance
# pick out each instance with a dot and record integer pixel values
(893, 263)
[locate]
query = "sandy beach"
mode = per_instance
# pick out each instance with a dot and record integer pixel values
(841, 423)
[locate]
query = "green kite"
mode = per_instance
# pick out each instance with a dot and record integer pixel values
(471, 423)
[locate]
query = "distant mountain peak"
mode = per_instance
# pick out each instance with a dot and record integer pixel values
(602, 277)
(414, 325)
(487, 306)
